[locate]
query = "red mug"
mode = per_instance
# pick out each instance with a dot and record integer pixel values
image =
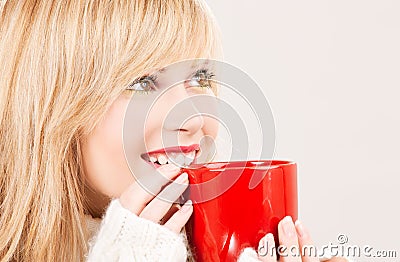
(236, 203)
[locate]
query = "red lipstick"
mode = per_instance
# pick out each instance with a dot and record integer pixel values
(175, 149)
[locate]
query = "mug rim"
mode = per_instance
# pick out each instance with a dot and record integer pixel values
(240, 164)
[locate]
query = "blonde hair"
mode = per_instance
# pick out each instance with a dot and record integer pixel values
(62, 64)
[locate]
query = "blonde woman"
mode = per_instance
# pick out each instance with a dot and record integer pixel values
(68, 70)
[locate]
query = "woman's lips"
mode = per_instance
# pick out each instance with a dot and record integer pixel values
(179, 155)
(176, 149)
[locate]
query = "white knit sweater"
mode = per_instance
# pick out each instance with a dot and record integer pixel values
(122, 236)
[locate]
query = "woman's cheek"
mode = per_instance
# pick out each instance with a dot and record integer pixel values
(105, 167)
(210, 127)
(104, 160)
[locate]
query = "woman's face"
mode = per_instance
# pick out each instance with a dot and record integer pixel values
(146, 132)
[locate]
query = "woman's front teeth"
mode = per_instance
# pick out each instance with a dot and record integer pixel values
(189, 158)
(162, 159)
(177, 158)
(191, 155)
(182, 159)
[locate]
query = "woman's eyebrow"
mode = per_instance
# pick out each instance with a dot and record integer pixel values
(160, 71)
(157, 73)
(201, 65)
(163, 72)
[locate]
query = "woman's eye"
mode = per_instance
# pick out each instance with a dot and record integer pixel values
(202, 78)
(144, 84)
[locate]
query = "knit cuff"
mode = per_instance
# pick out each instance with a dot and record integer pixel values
(123, 235)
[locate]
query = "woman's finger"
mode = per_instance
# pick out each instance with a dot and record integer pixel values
(266, 251)
(174, 208)
(289, 246)
(159, 206)
(308, 250)
(136, 197)
(180, 218)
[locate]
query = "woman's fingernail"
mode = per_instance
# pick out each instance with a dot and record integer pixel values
(187, 206)
(266, 244)
(288, 227)
(269, 240)
(301, 231)
(270, 237)
(262, 247)
(182, 179)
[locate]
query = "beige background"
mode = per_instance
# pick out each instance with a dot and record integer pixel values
(330, 70)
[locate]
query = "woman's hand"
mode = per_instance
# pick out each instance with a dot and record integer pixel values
(293, 237)
(145, 205)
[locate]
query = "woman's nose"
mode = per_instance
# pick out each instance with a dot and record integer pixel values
(182, 114)
(192, 124)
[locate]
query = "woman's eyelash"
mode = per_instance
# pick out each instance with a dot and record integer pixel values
(202, 78)
(206, 72)
(144, 84)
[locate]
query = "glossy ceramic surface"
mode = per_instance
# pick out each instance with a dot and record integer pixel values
(239, 217)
